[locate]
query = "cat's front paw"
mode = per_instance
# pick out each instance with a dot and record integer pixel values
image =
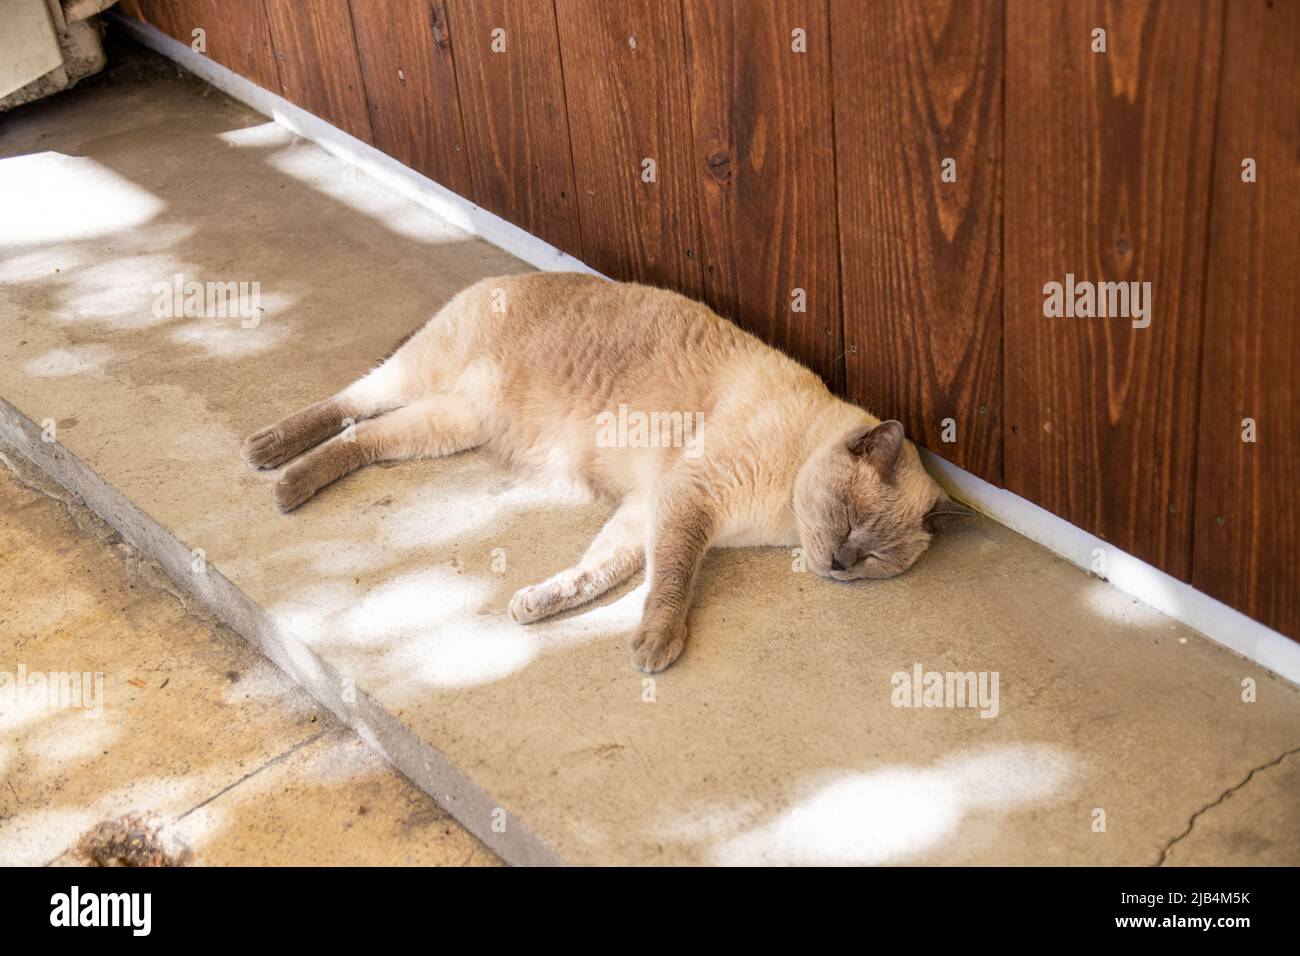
(654, 648)
(265, 448)
(529, 604)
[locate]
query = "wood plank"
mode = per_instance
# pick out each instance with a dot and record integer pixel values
(921, 259)
(761, 118)
(404, 47)
(625, 86)
(241, 43)
(1247, 507)
(133, 8)
(167, 16)
(512, 103)
(1107, 179)
(317, 57)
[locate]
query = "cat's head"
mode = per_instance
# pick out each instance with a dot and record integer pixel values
(866, 508)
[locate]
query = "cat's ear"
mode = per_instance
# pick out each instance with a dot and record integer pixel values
(879, 447)
(946, 515)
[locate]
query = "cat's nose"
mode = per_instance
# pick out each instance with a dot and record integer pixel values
(844, 557)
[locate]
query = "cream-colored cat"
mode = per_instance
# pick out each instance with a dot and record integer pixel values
(703, 435)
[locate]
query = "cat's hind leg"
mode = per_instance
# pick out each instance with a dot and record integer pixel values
(615, 554)
(430, 427)
(385, 388)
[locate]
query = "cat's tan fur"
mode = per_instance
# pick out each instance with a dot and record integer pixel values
(524, 365)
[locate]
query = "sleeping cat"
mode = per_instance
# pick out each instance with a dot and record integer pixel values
(558, 374)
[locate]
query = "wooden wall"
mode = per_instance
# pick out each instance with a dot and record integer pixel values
(1108, 177)
(918, 84)
(1247, 535)
(883, 188)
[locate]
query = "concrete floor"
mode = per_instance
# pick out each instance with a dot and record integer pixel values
(1121, 736)
(197, 728)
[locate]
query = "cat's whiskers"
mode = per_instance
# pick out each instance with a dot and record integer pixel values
(799, 523)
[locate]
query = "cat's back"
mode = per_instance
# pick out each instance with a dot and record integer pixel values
(592, 327)
(561, 310)
(578, 342)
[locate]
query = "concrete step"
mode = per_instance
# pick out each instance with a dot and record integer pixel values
(774, 739)
(180, 722)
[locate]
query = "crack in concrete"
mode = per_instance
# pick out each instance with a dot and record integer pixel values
(1191, 822)
(224, 790)
(253, 773)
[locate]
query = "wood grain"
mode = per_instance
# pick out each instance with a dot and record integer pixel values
(921, 258)
(625, 86)
(1247, 506)
(516, 130)
(1107, 178)
(241, 43)
(765, 169)
(317, 57)
(404, 47)
(165, 15)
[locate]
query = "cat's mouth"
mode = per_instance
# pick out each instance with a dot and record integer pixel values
(871, 566)
(843, 563)
(830, 568)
